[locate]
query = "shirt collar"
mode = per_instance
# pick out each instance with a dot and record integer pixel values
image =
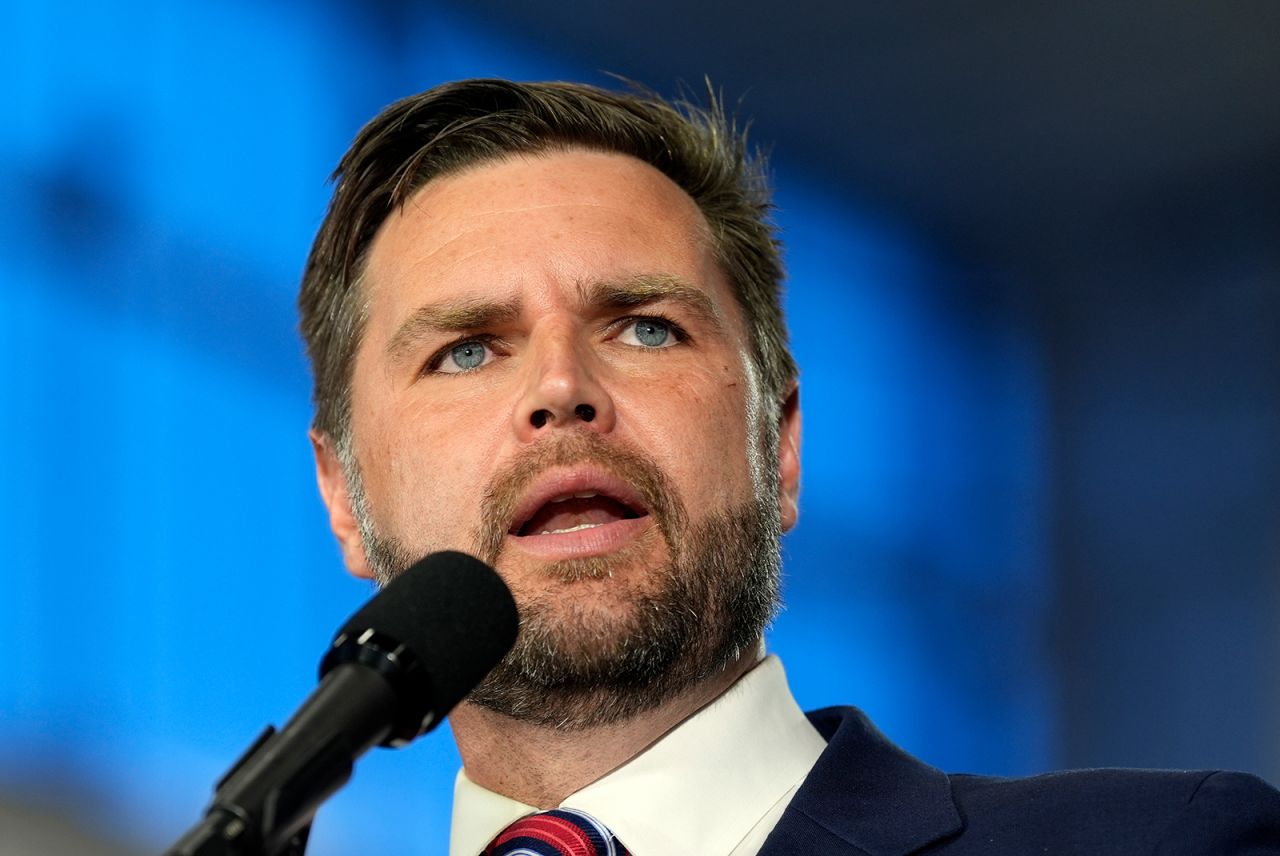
(699, 789)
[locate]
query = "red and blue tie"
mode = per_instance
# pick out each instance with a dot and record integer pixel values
(559, 832)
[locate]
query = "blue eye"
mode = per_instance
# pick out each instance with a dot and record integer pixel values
(649, 333)
(463, 357)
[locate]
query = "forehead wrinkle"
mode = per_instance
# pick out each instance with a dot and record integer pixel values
(450, 316)
(544, 206)
(455, 229)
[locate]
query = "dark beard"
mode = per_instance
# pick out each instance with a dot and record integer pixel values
(575, 666)
(580, 670)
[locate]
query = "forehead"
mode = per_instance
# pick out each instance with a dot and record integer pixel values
(533, 224)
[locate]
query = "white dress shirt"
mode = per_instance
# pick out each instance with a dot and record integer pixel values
(715, 784)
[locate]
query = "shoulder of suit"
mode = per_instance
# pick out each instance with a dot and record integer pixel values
(1200, 811)
(1069, 812)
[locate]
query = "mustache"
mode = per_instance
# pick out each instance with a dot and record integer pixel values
(505, 488)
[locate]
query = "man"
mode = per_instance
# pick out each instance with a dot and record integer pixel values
(545, 327)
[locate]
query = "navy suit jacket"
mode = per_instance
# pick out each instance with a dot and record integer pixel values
(866, 797)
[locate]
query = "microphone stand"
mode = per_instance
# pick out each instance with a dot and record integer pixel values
(265, 803)
(222, 833)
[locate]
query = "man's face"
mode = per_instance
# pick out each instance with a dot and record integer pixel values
(554, 375)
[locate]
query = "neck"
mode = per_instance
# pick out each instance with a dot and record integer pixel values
(540, 765)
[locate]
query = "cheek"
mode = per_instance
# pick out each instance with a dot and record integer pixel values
(697, 431)
(431, 466)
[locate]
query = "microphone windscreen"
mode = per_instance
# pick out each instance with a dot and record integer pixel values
(454, 614)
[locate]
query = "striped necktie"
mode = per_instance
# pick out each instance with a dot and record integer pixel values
(559, 832)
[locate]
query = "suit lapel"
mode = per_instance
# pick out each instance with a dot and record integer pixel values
(864, 796)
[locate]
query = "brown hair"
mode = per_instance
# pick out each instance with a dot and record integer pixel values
(457, 125)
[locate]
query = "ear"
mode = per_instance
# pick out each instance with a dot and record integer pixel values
(789, 458)
(337, 498)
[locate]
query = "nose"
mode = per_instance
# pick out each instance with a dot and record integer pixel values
(562, 389)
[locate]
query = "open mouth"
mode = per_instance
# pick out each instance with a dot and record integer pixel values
(575, 512)
(566, 502)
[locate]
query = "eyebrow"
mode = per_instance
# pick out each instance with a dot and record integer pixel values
(453, 316)
(639, 291)
(633, 292)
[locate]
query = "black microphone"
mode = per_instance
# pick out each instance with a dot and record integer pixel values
(395, 669)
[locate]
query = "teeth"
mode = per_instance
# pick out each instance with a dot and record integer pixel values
(577, 528)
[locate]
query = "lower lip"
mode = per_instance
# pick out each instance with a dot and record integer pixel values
(582, 543)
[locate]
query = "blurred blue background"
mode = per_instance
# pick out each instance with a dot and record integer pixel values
(1034, 292)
